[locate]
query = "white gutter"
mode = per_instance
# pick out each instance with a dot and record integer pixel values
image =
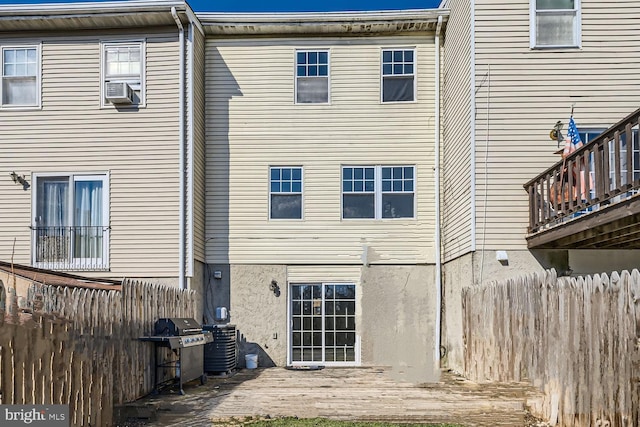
(438, 257)
(181, 257)
(412, 15)
(473, 127)
(91, 7)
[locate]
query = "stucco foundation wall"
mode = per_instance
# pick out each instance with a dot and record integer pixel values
(588, 262)
(456, 274)
(398, 320)
(395, 312)
(260, 315)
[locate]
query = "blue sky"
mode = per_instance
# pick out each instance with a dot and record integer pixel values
(284, 5)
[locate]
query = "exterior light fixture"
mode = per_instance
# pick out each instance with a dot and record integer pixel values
(20, 180)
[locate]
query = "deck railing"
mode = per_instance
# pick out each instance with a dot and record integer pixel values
(602, 172)
(82, 248)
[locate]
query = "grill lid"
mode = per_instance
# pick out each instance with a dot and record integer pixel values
(172, 326)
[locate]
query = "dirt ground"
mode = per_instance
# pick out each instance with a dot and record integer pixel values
(358, 394)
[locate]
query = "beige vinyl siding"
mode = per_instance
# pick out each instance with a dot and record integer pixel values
(72, 134)
(324, 273)
(199, 147)
(253, 123)
(531, 89)
(457, 136)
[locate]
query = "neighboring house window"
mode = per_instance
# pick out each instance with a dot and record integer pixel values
(20, 76)
(312, 77)
(398, 75)
(378, 192)
(71, 222)
(555, 23)
(285, 184)
(123, 62)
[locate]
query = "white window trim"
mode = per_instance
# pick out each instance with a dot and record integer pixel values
(358, 344)
(415, 75)
(105, 177)
(301, 193)
(143, 71)
(533, 40)
(38, 47)
(377, 192)
(295, 76)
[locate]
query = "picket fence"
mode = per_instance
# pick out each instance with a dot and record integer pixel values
(80, 346)
(574, 338)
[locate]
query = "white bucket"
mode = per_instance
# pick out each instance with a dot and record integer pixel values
(251, 360)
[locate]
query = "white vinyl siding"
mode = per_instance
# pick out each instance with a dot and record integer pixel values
(252, 123)
(139, 150)
(20, 87)
(456, 132)
(527, 91)
(198, 148)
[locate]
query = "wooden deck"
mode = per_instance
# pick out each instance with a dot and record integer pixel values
(359, 394)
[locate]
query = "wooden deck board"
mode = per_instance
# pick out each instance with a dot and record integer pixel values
(364, 394)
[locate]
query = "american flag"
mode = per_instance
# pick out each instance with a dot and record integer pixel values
(572, 141)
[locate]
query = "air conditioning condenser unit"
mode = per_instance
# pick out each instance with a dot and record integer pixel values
(119, 93)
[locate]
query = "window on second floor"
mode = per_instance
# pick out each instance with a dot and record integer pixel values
(20, 76)
(312, 77)
(398, 75)
(378, 192)
(555, 23)
(285, 192)
(123, 62)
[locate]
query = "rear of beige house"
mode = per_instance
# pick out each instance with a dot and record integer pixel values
(98, 177)
(511, 70)
(320, 234)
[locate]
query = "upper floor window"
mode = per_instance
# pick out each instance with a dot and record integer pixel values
(555, 23)
(20, 76)
(312, 77)
(285, 188)
(377, 192)
(123, 72)
(398, 75)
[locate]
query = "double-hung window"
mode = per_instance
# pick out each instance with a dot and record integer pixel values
(71, 223)
(378, 192)
(398, 75)
(285, 188)
(20, 76)
(555, 23)
(312, 77)
(123, 62)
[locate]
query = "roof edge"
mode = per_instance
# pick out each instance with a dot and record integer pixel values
(319, 17)
(126, 6)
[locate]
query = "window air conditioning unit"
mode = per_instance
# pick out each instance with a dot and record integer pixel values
(119, 93)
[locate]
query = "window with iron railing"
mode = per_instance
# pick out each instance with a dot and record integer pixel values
(70, 230)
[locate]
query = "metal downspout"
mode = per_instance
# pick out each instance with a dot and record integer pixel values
(182, 240)
(437, 199)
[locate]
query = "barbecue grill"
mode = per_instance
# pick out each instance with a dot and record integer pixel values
(185, 337)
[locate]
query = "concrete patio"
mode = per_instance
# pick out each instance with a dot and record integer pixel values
(359, 394)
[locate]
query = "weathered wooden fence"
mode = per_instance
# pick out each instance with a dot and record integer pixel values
(575, 338)
(79, 346)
